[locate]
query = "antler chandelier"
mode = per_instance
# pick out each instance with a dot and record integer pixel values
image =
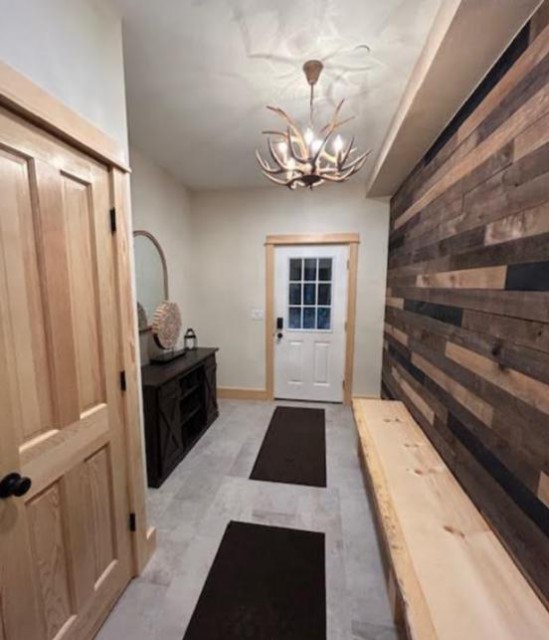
(303, 159)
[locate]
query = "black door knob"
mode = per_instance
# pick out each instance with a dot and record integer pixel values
(14, 485)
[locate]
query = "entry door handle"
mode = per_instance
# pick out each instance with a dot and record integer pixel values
(14, 485)
(279, 327)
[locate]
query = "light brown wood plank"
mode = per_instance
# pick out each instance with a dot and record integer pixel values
(478, 407)
(521, 225)
(535, 136)
(350, 327)
(466, 147)
(397, 303)
(142, 542)
(420, 404)
(313, 238)
(528, 389)
(484, 278)
(238, 393)
(404, 579)
(396, 333)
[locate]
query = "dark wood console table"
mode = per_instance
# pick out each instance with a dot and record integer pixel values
(180, 403)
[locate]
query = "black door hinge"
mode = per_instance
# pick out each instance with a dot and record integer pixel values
(123, 385)
(113, 220)
(133, 522)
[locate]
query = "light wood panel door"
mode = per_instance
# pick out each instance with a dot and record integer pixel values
(64, 546)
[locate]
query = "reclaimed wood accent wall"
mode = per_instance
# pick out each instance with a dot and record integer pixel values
(467, 318)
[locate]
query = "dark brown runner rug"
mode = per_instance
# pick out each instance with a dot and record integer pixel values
(266, 583)
(294, 448)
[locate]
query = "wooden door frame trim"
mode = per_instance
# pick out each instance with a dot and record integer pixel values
(144, 537)
(24, 98)
(313, 238)
(272, 241)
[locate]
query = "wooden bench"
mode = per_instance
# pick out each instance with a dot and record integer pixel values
(449, 576)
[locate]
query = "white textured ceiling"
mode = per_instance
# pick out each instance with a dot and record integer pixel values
(200, 72)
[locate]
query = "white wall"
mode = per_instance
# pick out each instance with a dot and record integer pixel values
(73, 50)
(161, 206)
(229, 229)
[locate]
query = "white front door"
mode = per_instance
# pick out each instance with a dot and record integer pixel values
(310, 316)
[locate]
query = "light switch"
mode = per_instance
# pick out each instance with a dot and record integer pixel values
(257, 314)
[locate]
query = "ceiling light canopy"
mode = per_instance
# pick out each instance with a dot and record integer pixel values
(303, 159)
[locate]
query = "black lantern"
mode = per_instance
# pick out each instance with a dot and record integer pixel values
(190, 340)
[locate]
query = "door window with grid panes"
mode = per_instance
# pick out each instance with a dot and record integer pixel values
(310, 294)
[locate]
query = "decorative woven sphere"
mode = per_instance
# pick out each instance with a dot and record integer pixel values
(166, 325)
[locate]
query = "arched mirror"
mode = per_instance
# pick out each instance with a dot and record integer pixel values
(151, 274)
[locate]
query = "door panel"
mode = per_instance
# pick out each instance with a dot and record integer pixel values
(64, 546)
(77, 496)
(295, 362)
(23, 291)
(83, 279)
(50, 239)
(45, 513)
(311, 300)
(322, 362)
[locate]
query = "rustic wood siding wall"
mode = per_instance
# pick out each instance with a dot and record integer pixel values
(467, 318)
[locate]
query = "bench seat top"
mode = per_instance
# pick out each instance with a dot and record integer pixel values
(455, 577)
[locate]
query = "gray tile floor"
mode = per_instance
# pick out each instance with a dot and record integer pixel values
(211, 487)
